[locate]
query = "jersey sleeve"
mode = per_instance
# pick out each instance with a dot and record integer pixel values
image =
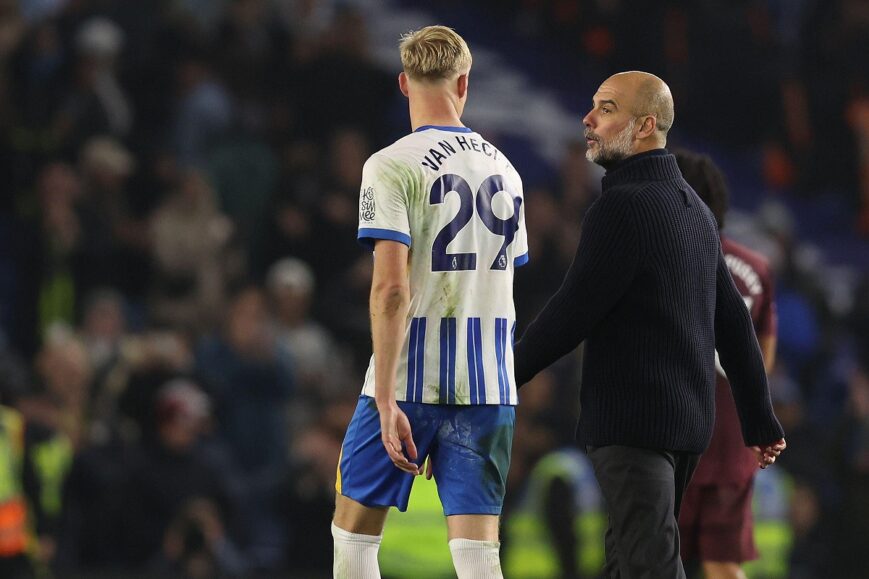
(520, 255)
(383, 211)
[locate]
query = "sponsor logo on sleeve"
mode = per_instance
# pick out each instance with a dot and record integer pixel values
(366, 204)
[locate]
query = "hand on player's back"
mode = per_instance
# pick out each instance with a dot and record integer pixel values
(395, 432)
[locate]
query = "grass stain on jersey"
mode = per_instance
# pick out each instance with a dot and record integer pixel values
(448, 297)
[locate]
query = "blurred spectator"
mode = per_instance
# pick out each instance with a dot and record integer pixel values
(52, 294)
(317, 365)
(336, 219)
(114, 239)
(343, 309)
(252, 44)
(310, 496)
(250, 380)
(244, 172)
(65, 375)
(54, 418)
(97, 105)
(351, 89)
(123, 415)
(103, 332)
(289, 229)
(203, 110)
(103, 326)
(193, 256)
(166, 475)
(196, 545)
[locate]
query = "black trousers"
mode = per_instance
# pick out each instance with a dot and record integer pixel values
(642, 489)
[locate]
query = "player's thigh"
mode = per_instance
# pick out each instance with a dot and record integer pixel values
(475, 527)
(365, 472)
(471, 456)
(726, 533)
(354, 517)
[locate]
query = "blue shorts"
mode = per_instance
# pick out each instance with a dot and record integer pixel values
(469, 445)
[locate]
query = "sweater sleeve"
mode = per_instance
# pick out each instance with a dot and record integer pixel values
(603, 268)
(741, 359)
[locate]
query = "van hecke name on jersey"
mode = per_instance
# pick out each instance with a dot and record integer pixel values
(435, 157)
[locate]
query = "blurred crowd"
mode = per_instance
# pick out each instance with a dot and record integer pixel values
(791, 82)
(183, 304)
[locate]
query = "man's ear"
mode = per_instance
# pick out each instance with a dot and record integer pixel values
(648, 127)
(462, 85)
(402, 83)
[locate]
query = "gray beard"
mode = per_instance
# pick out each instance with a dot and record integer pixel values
(608, 153)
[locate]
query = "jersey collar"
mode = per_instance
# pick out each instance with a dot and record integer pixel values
(444, 128)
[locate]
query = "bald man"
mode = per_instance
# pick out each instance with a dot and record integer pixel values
(651, 295)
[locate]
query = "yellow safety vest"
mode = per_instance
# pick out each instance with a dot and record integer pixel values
(52, 460)
(13, 510)
(529, 547)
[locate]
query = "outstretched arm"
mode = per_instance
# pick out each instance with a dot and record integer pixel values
(605, 264)
(389, 303)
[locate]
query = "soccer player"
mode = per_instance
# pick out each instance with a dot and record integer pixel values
(715, 522)
(443, 209)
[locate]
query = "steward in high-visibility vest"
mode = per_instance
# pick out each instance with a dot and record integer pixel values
(48, 459)
(13, 505)
(773, 534)
(415, 542)
(531, 550)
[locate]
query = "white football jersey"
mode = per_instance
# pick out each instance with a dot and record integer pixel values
(457, 202)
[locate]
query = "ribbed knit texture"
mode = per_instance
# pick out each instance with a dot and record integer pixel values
(651, 295)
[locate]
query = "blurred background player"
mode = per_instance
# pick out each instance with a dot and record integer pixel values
(442, 320)
(716, 519)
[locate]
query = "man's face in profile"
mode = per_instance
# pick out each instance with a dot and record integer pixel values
(609, 125)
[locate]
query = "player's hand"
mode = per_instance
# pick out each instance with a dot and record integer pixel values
(397, 438)
(428, 469)
(767, 455)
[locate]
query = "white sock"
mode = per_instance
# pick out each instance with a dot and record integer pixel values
(355, 555)
(476, 559)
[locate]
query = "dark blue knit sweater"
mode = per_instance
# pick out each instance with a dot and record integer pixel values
(651, 295)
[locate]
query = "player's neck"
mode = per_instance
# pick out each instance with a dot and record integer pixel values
(439, 112)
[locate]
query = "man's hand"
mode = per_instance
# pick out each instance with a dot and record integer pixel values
(394, 432)
(767, 455)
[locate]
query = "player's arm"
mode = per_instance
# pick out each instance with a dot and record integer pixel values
(742, 360)
(767, 323)
(603, 268)
(389, 303)
(767, 348)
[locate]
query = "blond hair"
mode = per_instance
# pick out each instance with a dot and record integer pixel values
(434, 53)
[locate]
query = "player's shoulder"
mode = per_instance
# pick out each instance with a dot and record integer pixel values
(401, 152)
